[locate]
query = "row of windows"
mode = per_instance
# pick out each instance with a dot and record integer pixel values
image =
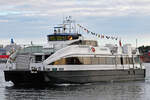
(62, 38)
(95, 60)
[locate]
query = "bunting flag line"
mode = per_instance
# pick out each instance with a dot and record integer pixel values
(97, 35)
(102, 36)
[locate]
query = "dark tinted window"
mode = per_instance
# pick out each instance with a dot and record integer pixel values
(73, 60)
(46, 56)
(62, 37)
(38, 58)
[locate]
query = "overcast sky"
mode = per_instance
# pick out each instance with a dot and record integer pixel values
(32, 20)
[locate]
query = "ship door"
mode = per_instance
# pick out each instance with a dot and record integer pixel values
(121, 61)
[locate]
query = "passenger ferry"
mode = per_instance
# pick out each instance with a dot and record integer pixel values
(69, 58)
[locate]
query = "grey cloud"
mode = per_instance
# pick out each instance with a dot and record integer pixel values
(27, 18)
(83, 7)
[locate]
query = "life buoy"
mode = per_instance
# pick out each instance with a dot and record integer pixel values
(93, 49)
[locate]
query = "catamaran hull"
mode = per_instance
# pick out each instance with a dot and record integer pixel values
(75, 77)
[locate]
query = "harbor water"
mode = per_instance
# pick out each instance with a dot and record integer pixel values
(133, 90)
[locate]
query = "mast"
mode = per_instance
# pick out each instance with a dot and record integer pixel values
(69, 24)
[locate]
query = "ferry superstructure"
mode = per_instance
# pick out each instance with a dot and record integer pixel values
(69, 58)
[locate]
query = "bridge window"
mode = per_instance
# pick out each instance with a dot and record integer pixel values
(62, 37)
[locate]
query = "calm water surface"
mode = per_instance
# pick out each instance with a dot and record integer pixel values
(137, 90)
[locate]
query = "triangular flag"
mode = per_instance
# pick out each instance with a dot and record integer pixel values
(102, 36)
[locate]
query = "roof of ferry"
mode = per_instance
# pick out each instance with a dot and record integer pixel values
(65, 34)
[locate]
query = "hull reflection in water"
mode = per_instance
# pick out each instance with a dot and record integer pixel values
(99, 91)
